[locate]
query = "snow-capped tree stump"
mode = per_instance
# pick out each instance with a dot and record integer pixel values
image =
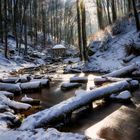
(126, 71)
(31, 86)
(103, 80)
(59, 111)
(14, 88)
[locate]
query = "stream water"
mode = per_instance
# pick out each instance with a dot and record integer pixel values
(82, 120)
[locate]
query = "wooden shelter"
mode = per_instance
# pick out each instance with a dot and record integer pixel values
(59, 51)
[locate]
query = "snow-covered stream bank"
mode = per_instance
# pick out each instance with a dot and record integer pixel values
(81, 119)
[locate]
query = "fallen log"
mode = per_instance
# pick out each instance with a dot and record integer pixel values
(24, 78)
(5, 108)
(14, 88)
(103, 80)
(7, 94)
(79, 80)
(13, 104)
(14, 80)
(126, 71)
(44, 82)
(11, 80)
(68, 86)
(60, 111)
(30, 86)
(129, 58)
(136, 73)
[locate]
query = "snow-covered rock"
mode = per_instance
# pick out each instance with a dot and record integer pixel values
(125, 95)
(26, 99)
(112, 58)
(30, 100)
(7, 119)
(59, 46)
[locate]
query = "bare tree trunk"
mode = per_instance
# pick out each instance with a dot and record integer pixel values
(5, 29)
(114, 14)
(136, 16)
(79, 30)
(1, 25)
(108, 12)
(84, 35)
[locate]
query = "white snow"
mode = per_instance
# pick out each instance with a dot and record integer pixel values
(16, 62)
(72, 60)
(80, 92)
(123, 71)
(6, 119)
(39, 134)
(110, 56)
(59, 46)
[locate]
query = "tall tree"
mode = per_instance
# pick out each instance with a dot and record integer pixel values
(1, 20)
(114, 14)
(5, 29)
(84, 35)
(136, 15)
(79, 29)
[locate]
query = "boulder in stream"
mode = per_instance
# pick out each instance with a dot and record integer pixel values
(124, 96)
